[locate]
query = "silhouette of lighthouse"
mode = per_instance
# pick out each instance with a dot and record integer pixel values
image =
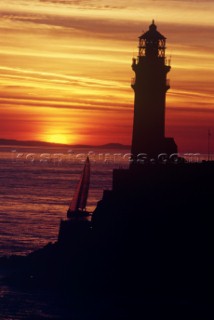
(150, 86)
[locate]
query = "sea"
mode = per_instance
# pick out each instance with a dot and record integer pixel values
(37, 186)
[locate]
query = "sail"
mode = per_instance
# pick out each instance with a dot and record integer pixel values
(80, 197)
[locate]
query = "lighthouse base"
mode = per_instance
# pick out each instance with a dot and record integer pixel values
(153, 150)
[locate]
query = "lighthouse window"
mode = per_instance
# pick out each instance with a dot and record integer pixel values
(142, 43)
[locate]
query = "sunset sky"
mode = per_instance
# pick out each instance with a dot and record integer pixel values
(65, 69)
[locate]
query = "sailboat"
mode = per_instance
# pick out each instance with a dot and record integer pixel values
(78, 225)
(77, 207)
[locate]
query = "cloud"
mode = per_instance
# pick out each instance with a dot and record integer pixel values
(65, 2)
(85, 4)
(206, 109)
(71, 23)
(56, 77)
(67, 27)
(66, 22)
(11, 99)
(190, 93)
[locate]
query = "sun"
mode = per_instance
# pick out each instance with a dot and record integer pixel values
(58, 134)
(58, 138)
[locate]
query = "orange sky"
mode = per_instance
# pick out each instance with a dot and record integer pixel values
(65, 69)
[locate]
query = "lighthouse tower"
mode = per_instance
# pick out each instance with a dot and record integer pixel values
(150, 86)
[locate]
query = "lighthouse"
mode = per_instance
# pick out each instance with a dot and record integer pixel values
(150, 86)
